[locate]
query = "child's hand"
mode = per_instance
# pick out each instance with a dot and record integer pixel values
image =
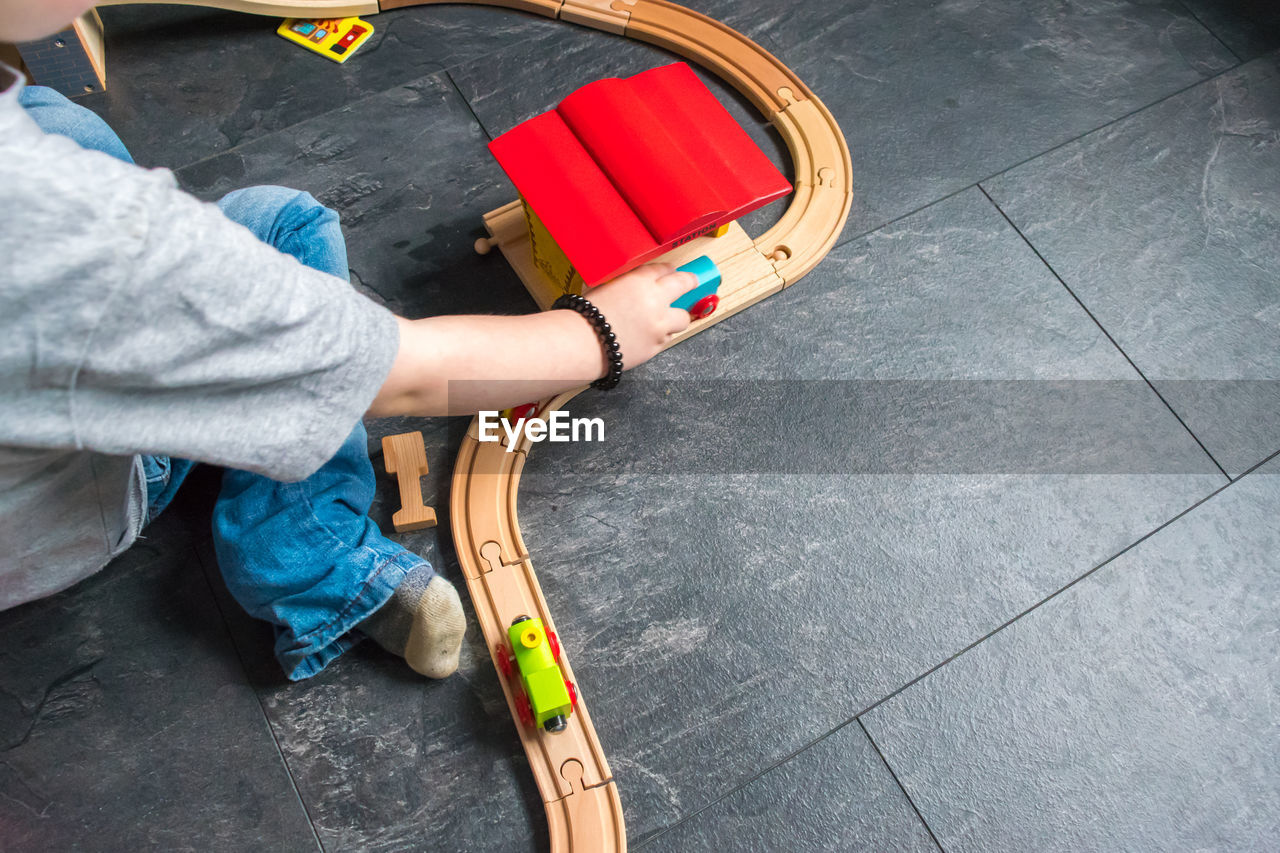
(637, 305)
(530, 357)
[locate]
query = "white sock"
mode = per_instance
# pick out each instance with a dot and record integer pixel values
(423, 623)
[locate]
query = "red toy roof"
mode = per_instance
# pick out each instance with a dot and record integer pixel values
(625, 169)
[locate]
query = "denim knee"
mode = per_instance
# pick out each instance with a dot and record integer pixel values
(293, 222)
(306, 557)
(54, 113)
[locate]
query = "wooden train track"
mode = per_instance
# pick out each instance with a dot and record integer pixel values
(584, 812)
(583, 809)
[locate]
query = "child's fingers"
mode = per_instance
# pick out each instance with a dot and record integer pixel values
(676, 284)
(676, 320)
(657, 269)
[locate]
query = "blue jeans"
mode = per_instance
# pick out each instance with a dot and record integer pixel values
(303, 556)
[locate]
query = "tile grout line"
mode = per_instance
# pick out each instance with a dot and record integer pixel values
(744, 784)
(467, 103)
(901, 787)
(1144, 537)
(442, 68)
(856, 717)
(293, 782)
(447, 68)
(1103, 329)
(1030, 158)
(1210, 31)
(853, 237)
(1110, 122)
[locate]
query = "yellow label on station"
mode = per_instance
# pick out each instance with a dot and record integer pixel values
(549, 258)
(333, 38)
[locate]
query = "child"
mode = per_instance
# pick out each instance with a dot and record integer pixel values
(142, 330)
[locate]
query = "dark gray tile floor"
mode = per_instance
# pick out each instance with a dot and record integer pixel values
(128, 723)
(1249, 28)
(201, 81)
(1164, 225)
(853, 602)
(934, 96)
(835, 795)
(1165, 662)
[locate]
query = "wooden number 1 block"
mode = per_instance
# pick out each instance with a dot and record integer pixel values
(406, 457)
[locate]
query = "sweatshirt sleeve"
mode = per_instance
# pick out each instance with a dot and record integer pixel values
(136, 319)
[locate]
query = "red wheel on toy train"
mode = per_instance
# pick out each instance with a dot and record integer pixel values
(524, 709)
(554, 642)
(704, 307)
(573, 692)
(519, 413)
(506, 663)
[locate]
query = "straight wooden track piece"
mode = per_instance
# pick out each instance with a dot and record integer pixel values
(405, 455)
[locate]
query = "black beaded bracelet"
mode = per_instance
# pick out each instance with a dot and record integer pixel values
(607, 338)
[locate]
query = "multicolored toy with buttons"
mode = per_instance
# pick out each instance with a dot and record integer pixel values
(332, 38)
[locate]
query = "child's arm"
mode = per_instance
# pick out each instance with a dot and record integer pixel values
(136, 319)
(461, 364)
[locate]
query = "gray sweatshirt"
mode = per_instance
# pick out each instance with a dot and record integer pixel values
(137, 319)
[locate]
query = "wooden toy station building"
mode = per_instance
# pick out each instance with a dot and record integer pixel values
(623, 172)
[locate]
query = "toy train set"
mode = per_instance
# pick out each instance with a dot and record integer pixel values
(583, 808)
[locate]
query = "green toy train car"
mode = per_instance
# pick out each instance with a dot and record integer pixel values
(544, 697)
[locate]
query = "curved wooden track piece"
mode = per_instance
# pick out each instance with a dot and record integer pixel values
(583, 809)
(486, 477)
